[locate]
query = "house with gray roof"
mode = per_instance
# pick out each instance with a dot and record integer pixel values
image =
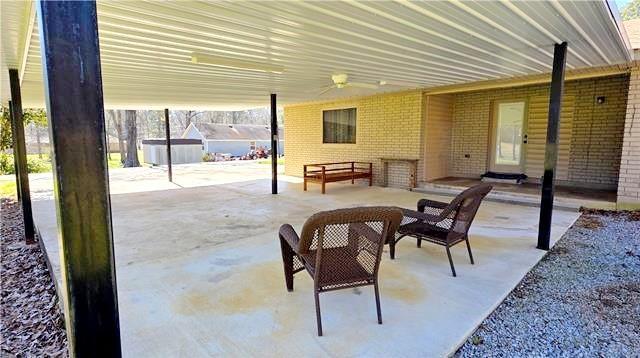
(234, 139)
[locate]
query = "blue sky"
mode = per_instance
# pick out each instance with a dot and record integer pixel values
(621, 3)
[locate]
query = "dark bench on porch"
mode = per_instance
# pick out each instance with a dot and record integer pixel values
(333, 172)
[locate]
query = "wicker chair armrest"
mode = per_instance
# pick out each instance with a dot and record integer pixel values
(288, 233)
(422, 216)
(423, 203)
(364, 230)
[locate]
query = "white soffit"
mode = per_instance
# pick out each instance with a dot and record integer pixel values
(147, 47)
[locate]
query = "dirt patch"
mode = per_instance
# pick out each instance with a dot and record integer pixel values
(400, 284)
(245, 290)
(31, 323)
(633, 215)
(589, 221)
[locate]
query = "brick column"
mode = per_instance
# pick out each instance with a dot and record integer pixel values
(629, 179)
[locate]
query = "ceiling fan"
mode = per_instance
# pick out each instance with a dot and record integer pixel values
(342, 81)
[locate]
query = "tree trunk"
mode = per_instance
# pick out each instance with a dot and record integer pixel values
(117, 121)
(132, 140)
(38, 141)
(106, 137)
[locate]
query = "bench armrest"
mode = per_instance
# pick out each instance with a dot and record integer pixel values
(288, 233)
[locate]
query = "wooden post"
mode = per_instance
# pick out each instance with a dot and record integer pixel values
(73, 95)
(353, 172)
(21, 158)
(304, 167)
(167, 131)
(551, 149)
(274, 145)
(14, 146)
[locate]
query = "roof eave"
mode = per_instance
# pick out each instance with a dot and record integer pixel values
(614, 15)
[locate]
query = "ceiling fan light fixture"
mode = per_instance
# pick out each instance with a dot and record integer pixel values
(227, 62)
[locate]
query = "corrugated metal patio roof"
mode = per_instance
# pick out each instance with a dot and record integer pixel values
(147, 47)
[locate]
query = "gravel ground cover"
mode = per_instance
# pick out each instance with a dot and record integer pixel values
(31, 323)
(581, 300)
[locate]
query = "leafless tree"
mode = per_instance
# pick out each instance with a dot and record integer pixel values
(116, 119)
(132, 139)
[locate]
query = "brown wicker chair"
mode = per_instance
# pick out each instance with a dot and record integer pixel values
(441, 223)
(339, 249)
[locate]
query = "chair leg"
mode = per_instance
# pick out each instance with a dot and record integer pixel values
(375, 287)
(287, 260)
(318, 318)
(392, 250)
(469, 249)
(453, 270)
(418, 242)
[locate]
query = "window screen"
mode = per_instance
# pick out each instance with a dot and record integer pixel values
(339, 126)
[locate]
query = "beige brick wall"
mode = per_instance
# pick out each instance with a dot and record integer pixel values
(393, 125)
(437, 134)
(596, 142)
(590, 139)
(388, 125)
(629, 178)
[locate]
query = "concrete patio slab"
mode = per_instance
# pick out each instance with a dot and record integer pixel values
(199, 273)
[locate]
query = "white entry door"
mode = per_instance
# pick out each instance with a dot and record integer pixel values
(508, 139)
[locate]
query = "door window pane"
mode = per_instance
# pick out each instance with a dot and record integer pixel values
(339, 126)
(509, 133)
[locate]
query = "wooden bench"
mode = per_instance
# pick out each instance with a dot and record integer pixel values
(333, 172)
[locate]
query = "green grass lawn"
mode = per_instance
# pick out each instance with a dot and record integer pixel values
(268, 161)
(8, 189)
(43, 164)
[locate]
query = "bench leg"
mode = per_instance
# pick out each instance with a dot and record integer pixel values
(371, 180)
(323, 185)
(305, 185)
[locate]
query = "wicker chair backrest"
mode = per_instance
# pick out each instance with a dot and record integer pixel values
(345, 242)
(467, 204)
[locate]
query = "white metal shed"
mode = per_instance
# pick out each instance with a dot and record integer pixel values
(154, 151)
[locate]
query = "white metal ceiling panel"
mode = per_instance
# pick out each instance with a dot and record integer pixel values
(147, 47)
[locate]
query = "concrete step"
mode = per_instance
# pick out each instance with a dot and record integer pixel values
(560, 203)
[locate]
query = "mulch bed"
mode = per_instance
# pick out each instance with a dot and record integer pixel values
(582, 299)
(31, 322)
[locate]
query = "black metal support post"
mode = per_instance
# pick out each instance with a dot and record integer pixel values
(167, 131)
(274, 145)
(21, 158)
(551, 149)
(74, 99)
(14, 146)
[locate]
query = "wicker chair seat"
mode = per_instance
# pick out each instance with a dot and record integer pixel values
(339, 267)
(428, 232)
